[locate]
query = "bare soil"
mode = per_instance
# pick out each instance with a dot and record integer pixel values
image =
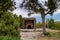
(34, 34)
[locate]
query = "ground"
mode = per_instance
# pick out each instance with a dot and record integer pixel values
(36, 34)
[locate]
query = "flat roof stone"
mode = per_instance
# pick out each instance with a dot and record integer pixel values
(29, 19)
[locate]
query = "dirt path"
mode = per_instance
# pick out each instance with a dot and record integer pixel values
(32, 34)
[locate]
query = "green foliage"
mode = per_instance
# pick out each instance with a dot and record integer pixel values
(47, 34)
(34, 5)
(21, 20)
(5, 5)
(55, 35)
(57, 24)
(9, 38)
(51, 5)
(38, 25)
(51, 24)
(41, 10)
(9, 25)
(30, 5)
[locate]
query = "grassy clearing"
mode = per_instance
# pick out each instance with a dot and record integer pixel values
(51, 36)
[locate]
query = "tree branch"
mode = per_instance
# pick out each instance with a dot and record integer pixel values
(49, 12)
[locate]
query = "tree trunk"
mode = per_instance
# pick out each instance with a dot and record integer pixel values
(43, 24)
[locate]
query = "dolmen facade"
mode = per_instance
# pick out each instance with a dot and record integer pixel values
(29, 23)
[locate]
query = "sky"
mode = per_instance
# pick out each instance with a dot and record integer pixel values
(23, 12)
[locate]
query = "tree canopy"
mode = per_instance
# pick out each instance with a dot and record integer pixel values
(36, 6)
(9, 25)
(6, 5)
(21, 20)
(51, 24)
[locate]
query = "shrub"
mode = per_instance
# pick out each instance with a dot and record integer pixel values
(47, 34)
(9, 38)
(51, 24)
(21, 21)
(38, 25)
(57, 24)
(9, 24)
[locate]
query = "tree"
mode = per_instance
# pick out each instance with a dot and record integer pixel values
(51, 23)
(9, 24)
(21, 20)
(37, 7)
(6, 5)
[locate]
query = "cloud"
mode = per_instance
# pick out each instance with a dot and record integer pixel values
(18, 2)
(57, 12)
(22, 12)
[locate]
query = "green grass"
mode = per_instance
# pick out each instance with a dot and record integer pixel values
(51, 36)
(55, 36)
(9, 38)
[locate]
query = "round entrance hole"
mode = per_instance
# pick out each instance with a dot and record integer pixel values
(29, 27)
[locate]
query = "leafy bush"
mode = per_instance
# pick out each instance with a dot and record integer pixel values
(9, 38)
(47, 34)
(21, 21)
(51, 24)
(38, 25)
(57, 24)
(9, 24)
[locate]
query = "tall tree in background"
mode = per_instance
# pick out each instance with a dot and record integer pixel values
(51, 24)
(21, 20)
(37, 7)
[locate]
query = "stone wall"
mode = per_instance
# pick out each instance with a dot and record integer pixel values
(29, 22)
